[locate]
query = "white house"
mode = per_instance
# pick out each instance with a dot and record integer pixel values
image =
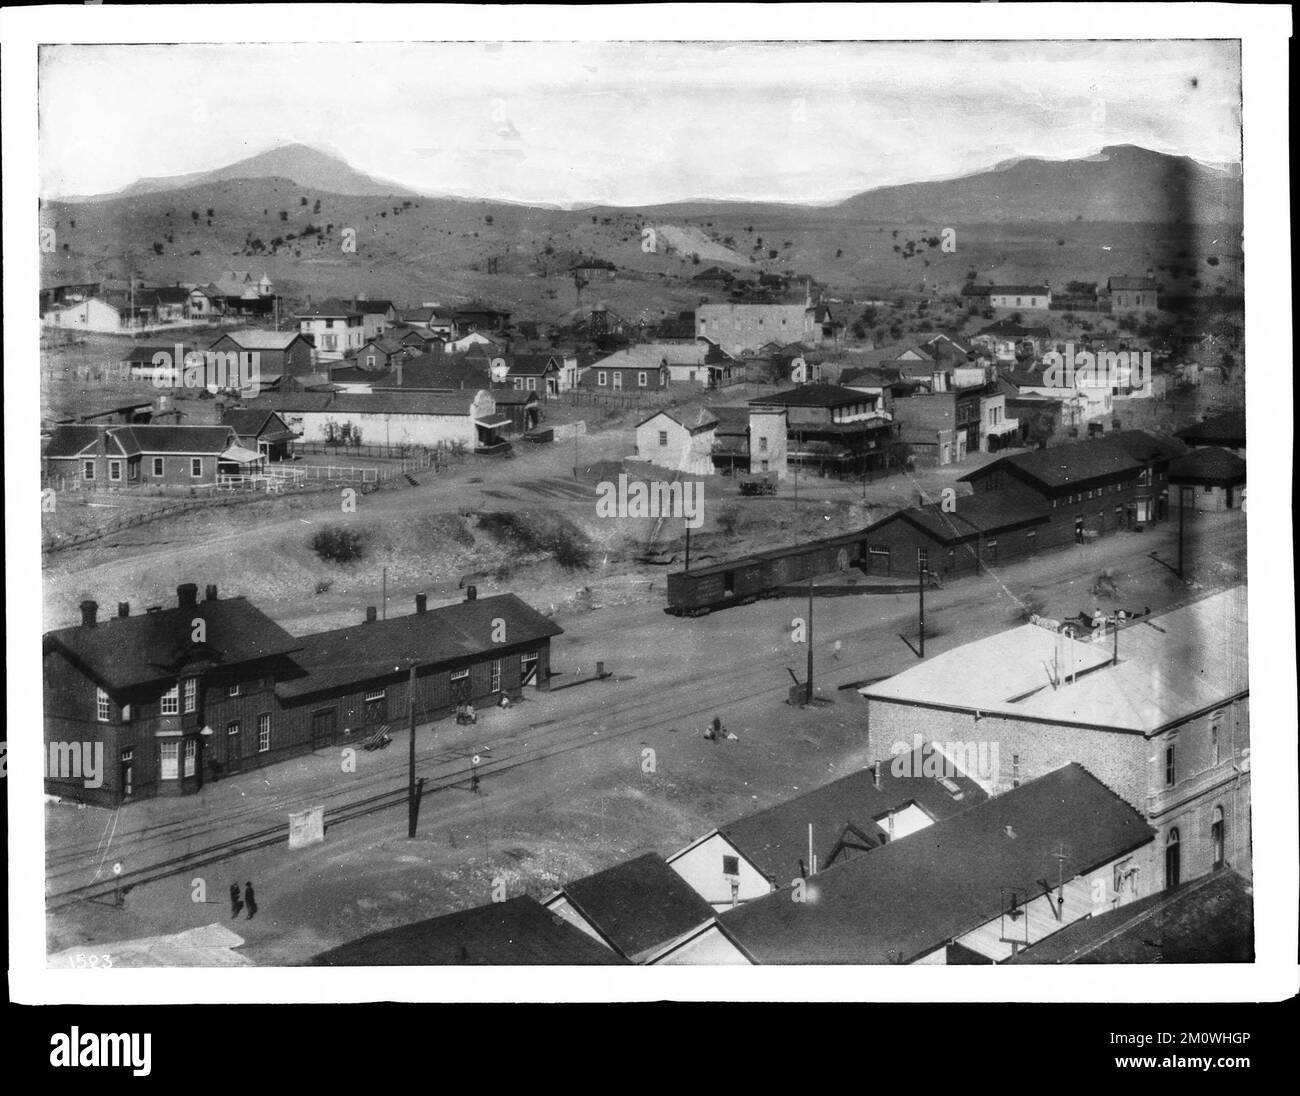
(337, 329)
(680, 438)
(425, 419)
(91, 314)
(1037, 297)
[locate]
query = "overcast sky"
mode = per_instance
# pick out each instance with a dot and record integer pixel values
(630, 123)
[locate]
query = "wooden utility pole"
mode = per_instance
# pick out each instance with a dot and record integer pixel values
(410, 791)
(809, 686)
(1182, 510)
(688, 546)
(921, 573)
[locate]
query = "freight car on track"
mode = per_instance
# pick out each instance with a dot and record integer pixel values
(745, 580)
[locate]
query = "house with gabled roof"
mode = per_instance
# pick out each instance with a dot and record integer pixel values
(278, 353)
(516, 933)
(680, 438)
(335, 327)
(637, 909)
(261, 431)
(142, 455)
(767, 850)
(979, 886)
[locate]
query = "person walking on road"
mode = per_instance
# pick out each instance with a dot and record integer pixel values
(235, 904)
(249, 900)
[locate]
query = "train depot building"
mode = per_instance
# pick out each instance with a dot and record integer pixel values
(160, 702)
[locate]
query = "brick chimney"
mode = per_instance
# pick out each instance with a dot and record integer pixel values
(89, 609)
(210, 593)
(187, 595)
(123, 608)
(421, 603)
(372, 614)
(471, 593)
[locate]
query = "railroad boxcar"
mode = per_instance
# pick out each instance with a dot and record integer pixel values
(741, 581)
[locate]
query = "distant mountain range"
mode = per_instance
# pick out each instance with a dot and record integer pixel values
(308, 167)
(1122, 183)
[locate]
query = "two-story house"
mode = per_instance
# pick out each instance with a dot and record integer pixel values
(335, 328)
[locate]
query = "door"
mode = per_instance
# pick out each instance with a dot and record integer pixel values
(616, 379)
(1078, 530)
(528, 667)
(322, 728)
(234, 747)
(128, 773)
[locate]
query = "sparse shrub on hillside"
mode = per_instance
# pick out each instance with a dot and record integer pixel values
(194, 216)
(302, 201)
(157, 248)
(335, 544)
(565, 543)
(284, 214)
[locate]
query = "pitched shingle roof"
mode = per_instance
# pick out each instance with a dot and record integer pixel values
(775, 839)
(348, 657)
(638, 905)
(123, 652)
(1208, 466)
(1209, 920)
(517, 932)
(916, 894)
(811, 395)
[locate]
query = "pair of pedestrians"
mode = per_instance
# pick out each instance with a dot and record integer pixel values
(249, 900)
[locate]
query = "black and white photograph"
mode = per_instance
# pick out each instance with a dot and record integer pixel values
(490, 493)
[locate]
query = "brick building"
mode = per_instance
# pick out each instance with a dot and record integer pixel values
(1159, 711)
(144, 689)
(171, 698)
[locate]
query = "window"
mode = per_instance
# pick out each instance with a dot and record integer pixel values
(157, 466)
(532, 384)
(370, 361)
(88, 469)
(1144, 478)
(923, 557)
(263, 733)
(191, 693)
(1015, 770)
(1031, 539)
(191, 750)
(1216, 725)
(641, 380)
(762, 445)
(1170, 767)
(1208, 489)
(103, 711)
(495, 685)
(115, 471)
(600, 377)
(171, 701)
(233, 689)
(196, 467)
(731, 865)
(1216, 836)
(329, 323)
(232, 728)
(663, 437)
(376, 705)
(1173, 860)
(460, 675)
(168, 767)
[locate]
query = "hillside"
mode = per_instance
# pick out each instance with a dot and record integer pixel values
(416, 249)
(1122, 183)
(300, 164)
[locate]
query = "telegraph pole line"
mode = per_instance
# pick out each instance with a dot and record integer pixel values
(921, 573)
(410, 791)
(809, 686)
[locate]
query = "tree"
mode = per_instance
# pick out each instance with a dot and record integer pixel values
(302, 201)
(284, 215)
(211, 214)
(157, 249)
